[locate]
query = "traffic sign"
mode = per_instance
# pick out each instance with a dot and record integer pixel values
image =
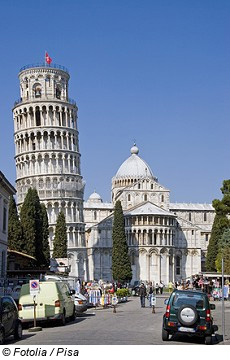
(34, 287)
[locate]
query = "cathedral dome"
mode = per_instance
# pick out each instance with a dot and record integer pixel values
(95, 197)
(134, 166)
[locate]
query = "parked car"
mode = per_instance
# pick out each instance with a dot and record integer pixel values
(81, 303)
(54, 302)
(188, 312)
(9, 321)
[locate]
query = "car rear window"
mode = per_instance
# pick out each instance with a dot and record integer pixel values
(195, 300)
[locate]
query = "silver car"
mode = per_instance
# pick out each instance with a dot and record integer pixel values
(81, 303)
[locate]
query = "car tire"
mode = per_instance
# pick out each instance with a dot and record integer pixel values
(2, 336)
(165, 335)
(73, 316)
(208, 340)
(187, 315)
(63, 319)
(18, 331)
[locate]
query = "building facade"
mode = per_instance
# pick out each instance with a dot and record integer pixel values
(47, 153)
(167, 241)
(6, 190)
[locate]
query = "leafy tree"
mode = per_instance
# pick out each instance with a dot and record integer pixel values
(15, 239)
(224, 252)
(121, 266)
(220, 224)
(45, 236)
(31, 220)
(60, 238)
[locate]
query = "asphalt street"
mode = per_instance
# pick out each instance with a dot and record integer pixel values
(130, 325)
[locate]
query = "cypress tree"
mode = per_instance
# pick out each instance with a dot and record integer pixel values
(31, 220)
(45, 236)
(60, 238)
(220, 224)
(121, 266)
(15, 239)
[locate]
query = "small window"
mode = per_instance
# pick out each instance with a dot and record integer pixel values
(151, 186)
(129, 197)
(145, 197)
(206, 237)
(95, 215)
(178, 260)
(139, 186)
(162, 198)
(4, 219)
(192, 232)
(58, 93)
(205, 216)
(189, 217)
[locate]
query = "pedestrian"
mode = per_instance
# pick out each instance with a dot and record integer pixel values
(150, 293)
(161, 286)
(142, 294)
(170, 286)
(157, 288)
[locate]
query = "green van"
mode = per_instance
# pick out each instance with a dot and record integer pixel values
(54, 302)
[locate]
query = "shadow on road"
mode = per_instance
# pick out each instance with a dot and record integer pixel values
(12, 341)
(195, 340)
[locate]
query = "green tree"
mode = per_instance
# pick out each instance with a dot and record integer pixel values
(121, 266)
(45, 236)
(60, 238)
(15, 239)
(224, 252)
(31, 220)
(220, 224)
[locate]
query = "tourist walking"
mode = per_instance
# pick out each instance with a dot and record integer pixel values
(150, 293)
(161, 286)
(142, 294)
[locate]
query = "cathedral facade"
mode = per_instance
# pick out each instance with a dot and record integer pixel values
(166, 241)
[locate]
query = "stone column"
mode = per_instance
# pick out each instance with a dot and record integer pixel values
(167, 269)
(148, 267)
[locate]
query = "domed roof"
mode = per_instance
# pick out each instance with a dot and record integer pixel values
(134, 166)
(95, 197)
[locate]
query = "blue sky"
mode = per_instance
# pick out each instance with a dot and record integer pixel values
(154, 71)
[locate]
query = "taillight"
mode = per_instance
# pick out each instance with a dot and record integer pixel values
(208, 315)
(80, 302)
(167, 314)
(202, 327)
(19, 307)
(57, 303)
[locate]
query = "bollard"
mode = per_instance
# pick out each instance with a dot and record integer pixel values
(153, 309)
(114, 309)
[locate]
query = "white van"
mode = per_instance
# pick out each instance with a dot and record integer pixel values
(54, 302)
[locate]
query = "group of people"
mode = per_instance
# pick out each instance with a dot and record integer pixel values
(148, 291)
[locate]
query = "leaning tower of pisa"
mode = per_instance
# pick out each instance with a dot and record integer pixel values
(47, 153)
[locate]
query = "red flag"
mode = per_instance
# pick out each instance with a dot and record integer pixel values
(48, 59)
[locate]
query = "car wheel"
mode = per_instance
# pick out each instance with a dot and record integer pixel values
(165, 335)
(72, 317)
(208, 340)
(187, 315)
(63, 319)
(18, 331)
(2, 336)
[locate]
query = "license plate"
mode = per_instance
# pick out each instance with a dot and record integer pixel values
(28, 307)
(184, 329)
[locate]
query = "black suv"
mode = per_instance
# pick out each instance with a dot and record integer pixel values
(188, 312)
(9, 321)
